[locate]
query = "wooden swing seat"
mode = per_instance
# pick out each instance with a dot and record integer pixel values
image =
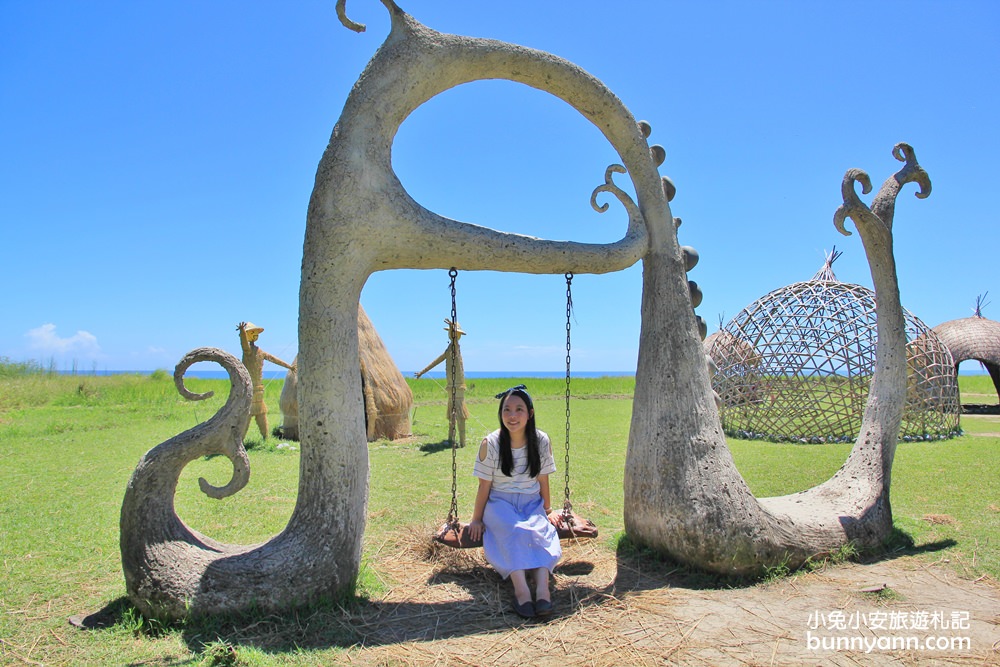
(456, 535)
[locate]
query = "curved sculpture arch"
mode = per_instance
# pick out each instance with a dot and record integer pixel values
(683, 495)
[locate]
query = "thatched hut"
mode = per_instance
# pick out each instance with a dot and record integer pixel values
(976, 338)
(388, 399)
(796, 365)
(741, 360)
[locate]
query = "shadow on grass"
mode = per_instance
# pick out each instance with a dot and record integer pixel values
(460, 595)
(435, 447)
(322, 625)
(641, 568)
(112, 614)
(319, 626)
(980, 409)
(900, 543)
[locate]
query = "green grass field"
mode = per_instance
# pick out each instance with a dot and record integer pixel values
(68, 445)
(821, 409)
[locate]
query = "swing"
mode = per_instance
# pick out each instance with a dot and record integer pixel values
(454, 533)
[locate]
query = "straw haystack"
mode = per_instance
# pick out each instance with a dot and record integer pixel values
(740, 358)
(975, 338)
(797, 364)
(388, 398)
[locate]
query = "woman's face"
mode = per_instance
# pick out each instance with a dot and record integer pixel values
(515, 414)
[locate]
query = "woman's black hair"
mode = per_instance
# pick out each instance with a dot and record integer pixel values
(506, 456)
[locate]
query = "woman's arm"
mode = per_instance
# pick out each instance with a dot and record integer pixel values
(476, 526)
(554, 515)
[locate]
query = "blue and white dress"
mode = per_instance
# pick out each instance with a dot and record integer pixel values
(518, 535)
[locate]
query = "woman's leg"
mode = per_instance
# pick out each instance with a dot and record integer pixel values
(521, 591)
(542, 584)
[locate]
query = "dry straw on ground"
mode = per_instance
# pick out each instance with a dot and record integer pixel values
(447, 607)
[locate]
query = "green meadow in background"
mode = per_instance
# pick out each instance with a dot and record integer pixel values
(68, 444)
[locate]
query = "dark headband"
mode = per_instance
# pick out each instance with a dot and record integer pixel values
(515, 388)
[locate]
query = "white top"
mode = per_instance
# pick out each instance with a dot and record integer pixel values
(520, 480)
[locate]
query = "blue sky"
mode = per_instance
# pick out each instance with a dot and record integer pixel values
(158, 159)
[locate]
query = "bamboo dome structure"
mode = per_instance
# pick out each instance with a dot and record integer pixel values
(796, 365)
(975, 338)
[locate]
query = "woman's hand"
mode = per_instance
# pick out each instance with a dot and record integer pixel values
(476, 529)
(555, 517)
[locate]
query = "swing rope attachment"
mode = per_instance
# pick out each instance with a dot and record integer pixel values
(567, 513)
(453, 415)
(454, 533)
(572, 524)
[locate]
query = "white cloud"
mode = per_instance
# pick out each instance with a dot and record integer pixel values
(45, 339)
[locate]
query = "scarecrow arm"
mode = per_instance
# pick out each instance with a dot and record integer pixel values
(275, 360)
(244, 341)
(434, 363)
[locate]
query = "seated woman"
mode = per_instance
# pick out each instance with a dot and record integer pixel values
(513, 513)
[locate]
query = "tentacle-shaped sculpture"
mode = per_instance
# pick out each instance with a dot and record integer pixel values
(153, 538)
(683, 494)
(362, 220)
(634, 216)
(348, 23)
(224, 444)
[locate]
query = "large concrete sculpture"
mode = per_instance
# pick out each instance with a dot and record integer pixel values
(683, 495)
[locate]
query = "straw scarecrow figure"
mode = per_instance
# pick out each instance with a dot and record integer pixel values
(253, 360)
(455, 373)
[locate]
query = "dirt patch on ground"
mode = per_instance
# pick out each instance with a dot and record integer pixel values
(448, 607)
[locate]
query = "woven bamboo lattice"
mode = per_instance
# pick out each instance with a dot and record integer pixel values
(796, 365)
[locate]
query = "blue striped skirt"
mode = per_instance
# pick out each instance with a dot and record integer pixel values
(518, 535)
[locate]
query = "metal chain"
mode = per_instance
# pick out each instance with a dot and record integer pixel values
(452, 414)
(567, 506)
